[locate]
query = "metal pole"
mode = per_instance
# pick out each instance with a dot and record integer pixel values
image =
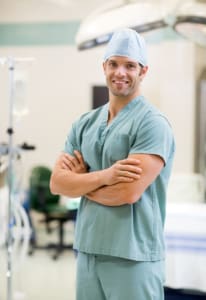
(10, 180)
(11, 61)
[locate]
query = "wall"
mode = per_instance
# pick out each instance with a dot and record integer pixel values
(59, 91)
(171, 83)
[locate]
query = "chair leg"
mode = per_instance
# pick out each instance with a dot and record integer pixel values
(32, 242)
(61, 246)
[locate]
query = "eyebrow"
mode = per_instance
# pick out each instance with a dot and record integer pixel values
(127, 62)
(111, 60)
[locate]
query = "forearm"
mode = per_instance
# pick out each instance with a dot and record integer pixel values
(65, 182)
(113, 195)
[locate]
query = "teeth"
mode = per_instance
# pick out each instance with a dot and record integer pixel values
(120, 81)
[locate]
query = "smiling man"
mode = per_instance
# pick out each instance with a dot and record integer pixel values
(118, 158)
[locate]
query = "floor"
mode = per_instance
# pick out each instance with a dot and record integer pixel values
(38, 276)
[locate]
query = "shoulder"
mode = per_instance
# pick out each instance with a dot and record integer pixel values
(155, 130)
(154, 117)
(88, 117)
(78, 127)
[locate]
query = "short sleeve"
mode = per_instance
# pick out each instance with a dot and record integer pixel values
(71, 143)
(154, 136)
(74, 138)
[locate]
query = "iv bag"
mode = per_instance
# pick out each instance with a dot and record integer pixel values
(20, 105)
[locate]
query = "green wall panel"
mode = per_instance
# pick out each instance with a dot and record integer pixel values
(59, 33)
(35, 34)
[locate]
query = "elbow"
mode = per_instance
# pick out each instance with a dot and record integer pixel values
(133, 198)
(128, 196)
(58, 187)
(53, 186)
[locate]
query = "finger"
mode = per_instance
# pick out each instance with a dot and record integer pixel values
(65, 166)
(126, 179)
(129, 161)
(66, 155)
(130, 175)
(79, 157)
(63, 157)
(66, 161)
(131, 168)
(69, 166)
(71, 160)
(74, 161)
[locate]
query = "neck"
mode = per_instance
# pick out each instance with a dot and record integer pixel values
(117, 103)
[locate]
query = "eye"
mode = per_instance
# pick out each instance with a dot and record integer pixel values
(131, 66)
(112, 64)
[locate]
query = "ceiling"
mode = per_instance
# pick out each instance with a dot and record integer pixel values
(58, 10)
(45, 10)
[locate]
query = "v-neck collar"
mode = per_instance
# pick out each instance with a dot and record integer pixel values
(119, 116)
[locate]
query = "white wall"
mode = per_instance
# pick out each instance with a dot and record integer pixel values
(171, 85)
(60, 91)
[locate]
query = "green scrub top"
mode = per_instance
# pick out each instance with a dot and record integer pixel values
(131, 231)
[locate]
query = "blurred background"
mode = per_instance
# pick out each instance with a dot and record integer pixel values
(57, 84)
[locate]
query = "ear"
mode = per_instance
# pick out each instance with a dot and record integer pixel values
(104, 66)
(143, 71)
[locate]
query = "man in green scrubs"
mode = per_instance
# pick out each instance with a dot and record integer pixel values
(118, 158)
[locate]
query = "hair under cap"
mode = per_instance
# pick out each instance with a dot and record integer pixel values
(127, 42)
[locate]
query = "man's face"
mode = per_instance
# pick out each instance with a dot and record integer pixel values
(123, 76)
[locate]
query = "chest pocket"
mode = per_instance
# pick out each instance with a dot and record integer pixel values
(116, 148)
(92, 151)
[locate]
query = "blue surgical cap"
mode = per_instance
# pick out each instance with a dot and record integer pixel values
(127, 42)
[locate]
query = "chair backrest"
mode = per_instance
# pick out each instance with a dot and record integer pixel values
(40, 196)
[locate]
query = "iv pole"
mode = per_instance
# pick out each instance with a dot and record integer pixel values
(11, 63)
(10, 168)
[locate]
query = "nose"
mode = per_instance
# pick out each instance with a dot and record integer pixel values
(120, 71)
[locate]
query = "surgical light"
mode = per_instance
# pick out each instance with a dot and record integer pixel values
(97, 29)
(150, 19)
(191, 22)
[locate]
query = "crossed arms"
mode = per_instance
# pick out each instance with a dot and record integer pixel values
(122, 183)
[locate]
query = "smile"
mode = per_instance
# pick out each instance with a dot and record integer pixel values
(120, 81)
